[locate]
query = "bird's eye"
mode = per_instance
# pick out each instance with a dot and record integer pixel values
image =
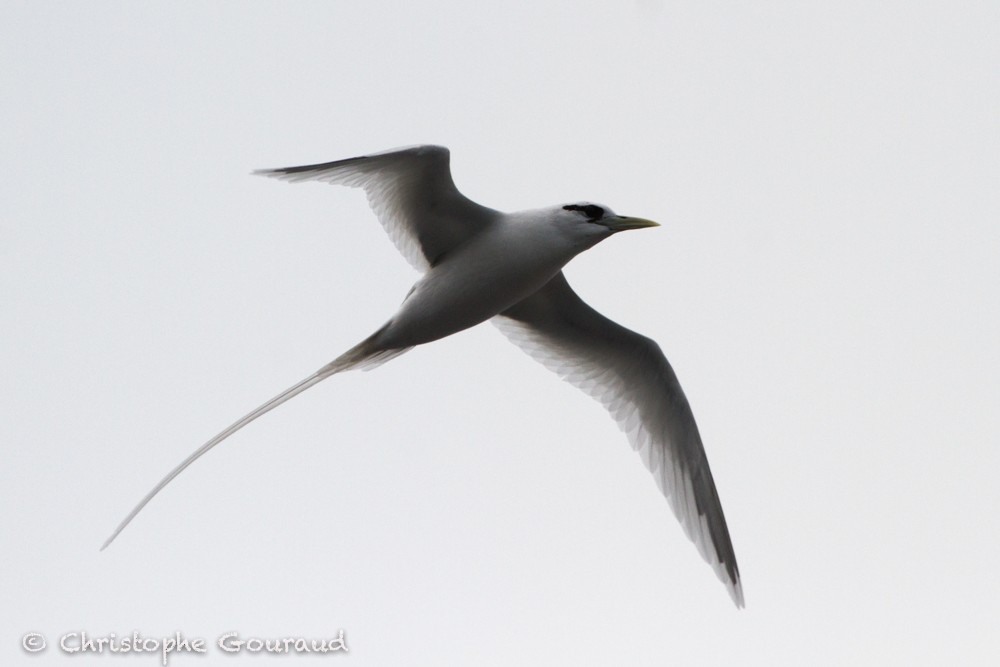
(590, 210)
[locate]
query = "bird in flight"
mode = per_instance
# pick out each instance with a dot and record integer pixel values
(480, 264)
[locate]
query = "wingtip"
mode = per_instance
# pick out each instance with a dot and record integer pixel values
(287, 174)
(736, 593)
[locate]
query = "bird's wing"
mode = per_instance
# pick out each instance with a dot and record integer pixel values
(411, 192)
(628, 373)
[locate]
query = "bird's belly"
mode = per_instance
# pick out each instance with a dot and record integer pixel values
(454, 297)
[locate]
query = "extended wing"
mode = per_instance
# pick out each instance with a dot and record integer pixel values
(413, 195)
(628, 373)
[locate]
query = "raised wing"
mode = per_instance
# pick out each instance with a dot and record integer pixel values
(628, 373)
(413, 195)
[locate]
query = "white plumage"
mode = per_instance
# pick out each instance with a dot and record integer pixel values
(479, 264)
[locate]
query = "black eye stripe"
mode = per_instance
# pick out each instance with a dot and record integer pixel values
(590, 210)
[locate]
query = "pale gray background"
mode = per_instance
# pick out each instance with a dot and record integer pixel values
(825, 283)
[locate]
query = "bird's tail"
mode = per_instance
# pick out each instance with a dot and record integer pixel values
(366, 355)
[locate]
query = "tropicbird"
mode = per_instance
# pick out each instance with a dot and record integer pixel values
(480, 264)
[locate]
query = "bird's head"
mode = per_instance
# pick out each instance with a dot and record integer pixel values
(589, 223)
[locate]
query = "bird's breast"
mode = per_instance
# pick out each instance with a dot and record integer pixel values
(477, 281)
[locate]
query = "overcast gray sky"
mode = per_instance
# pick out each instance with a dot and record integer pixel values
(825, 284)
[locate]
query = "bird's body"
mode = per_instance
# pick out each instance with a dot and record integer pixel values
(480, 264)
(508, 261)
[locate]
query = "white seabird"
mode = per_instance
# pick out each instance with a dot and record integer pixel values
(479, 264)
